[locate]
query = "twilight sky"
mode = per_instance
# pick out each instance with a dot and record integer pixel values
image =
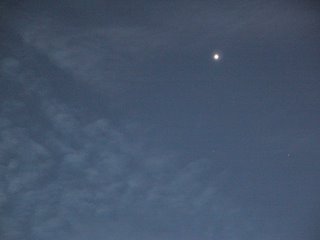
(116, 124)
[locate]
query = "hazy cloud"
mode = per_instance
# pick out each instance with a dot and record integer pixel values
(73, 166)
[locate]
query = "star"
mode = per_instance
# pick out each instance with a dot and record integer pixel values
(216, 56)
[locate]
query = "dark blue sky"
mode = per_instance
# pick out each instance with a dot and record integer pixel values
(115, 122)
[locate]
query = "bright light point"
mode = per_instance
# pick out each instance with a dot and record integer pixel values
(216, 56)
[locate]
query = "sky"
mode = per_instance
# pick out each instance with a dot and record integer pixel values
(116, 123)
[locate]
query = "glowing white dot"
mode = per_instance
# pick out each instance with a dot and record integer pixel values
(216, 56)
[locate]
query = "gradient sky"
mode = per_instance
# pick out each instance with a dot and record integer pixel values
(116, 124)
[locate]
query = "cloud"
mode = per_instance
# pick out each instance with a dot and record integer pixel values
(63, 174)
(104, 57)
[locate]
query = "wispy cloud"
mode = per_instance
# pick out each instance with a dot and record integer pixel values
(61, 171)
(67, 174)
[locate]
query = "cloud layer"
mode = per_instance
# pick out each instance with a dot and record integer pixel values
(62, 172)
(75, 163)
